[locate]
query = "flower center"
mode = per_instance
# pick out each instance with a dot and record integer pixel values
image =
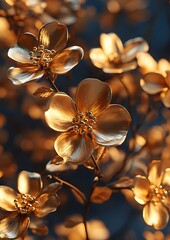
(41, 57)
(157, 194)
(25, 203)
(84, 122)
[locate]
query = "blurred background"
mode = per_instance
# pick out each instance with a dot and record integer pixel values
(26, 142)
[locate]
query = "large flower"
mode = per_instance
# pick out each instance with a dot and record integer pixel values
(31, 199)
(153, 191)
(88, 121)
(113, 57)
(35, 57)
(154, 83)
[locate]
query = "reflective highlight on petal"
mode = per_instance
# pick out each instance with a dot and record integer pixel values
(74, 148)
(29, 182)
(23, 75)
(141, 189)
(7, 197)
(154, 172)
(61, 112)
(156, 215)
(53, 35)
(112, 125)
(47, 203)
(153, 83)
(66, 60)
(92, 95)
(99, 58)
(19, 55)
(132, 47)
(13, 225)
(111, 44)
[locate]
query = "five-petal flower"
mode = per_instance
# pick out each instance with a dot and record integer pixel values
(31, 199)
(35, 57)
(89, 121)
(153, 192)
(113, 57)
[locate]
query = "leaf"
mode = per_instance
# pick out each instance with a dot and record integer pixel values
(80, 197)
(101, 194)
(72, 221)
(123, 182)
(44, 92)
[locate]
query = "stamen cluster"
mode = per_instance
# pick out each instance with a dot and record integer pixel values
(157, 194)
(41, 57)
(25, 203)
(84, 122)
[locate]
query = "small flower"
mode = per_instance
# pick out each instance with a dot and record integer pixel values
(31, 199)
(148, 64)
(154, 193)
(154, 83)
(88, 121)
(113, 57)
(35, 57)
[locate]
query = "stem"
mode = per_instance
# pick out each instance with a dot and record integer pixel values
(129, 102)
(97, 169)
(88, 202)
(52, 78)
(72, 187)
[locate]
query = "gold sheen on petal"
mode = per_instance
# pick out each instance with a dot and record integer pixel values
(153, 192)
(113, 57)
(93, 121)
(43, 55)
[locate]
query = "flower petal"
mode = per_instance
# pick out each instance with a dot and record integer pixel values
(166, 98)
(111, 44)
(153, 83)
(23, 75)
(166, 201)
(120, 68)
(98, 57)
(166, 179)
(66, 60)
(13, 226)
(92, 95)
(58, 165)
(74, 148)
(146, 62)
(156, 215)
(47, 203)
(132, 47)
(167, 78)
(29, 182)
(141, 189)
(53, 35)
(19, 55)
(112, 125)
(154, 172)
(27, 41)
(61, 112)
(7, 197)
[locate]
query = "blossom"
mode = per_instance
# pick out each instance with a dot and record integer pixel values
(153, 192)
(31, 199)
(113, 57)
(148, 64)
(154, 83)
(89, 121)
(35, 57)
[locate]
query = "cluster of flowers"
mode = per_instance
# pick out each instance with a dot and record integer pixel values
(85, 127)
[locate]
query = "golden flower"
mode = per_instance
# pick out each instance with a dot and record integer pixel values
(153, 192)
(158, 235)
(31, 199)
(35, 57)
(153, 83)
(88, 121)
(148, 64)
(113, 57)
